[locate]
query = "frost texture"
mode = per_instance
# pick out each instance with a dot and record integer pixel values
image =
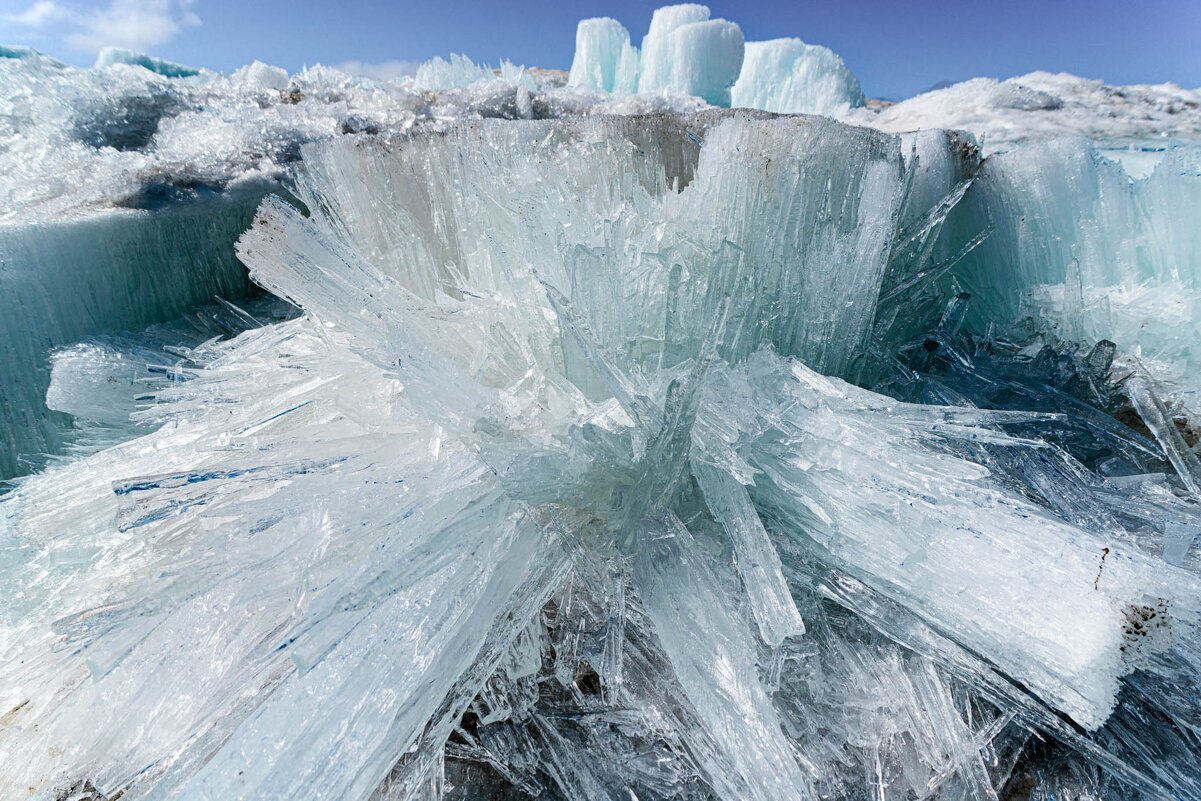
(560, 492)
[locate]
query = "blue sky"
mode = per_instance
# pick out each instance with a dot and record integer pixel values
(896, 47)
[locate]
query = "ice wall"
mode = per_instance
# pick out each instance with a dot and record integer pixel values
(788, 76)
(121, 271)
(834, 211)
(1088, 252)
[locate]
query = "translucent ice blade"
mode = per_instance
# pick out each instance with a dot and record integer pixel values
(1074, 666)
(1152, 411)
(756, 557)
(687, 608)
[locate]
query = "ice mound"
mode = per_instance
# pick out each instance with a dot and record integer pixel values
(1043, 106)
(790, 77)
(553, 491)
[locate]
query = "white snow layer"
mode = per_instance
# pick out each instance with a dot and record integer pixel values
(1040, 106)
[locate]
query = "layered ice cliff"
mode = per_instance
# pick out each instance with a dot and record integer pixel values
(570, 438)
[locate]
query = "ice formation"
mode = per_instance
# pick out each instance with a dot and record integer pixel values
(604, 58)
(791, 77)
(119, 55)
(686, 52)
(572, 439)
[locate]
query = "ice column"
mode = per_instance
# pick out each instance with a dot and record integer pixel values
(604, 58)
(685, 51)
(656, 65)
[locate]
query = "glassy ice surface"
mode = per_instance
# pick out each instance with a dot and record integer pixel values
(595, 444)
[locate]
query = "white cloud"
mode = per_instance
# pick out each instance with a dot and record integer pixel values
(135, 24)
(381, 71)
(38, 14)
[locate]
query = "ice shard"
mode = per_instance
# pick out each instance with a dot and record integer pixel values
(1073, 661)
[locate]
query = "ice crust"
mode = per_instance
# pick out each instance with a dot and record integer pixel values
(559, 483)
(593, 442)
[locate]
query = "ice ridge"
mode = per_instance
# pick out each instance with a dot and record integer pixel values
(118, 55)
